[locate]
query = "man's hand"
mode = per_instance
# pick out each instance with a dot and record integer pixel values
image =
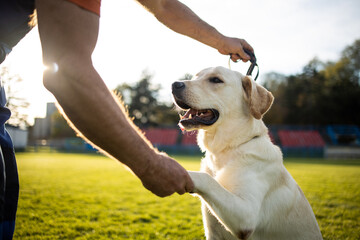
(164, 176)
(235, 47)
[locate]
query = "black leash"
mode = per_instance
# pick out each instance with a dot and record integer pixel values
(253, 64)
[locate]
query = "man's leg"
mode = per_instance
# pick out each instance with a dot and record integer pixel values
(11, 192)
(2, 192)
(9, 181)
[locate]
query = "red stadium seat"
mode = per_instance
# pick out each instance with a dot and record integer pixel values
(300, 138)
(189, 138)
(160, 136)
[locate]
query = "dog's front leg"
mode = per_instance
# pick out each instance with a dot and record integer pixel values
(238, 215)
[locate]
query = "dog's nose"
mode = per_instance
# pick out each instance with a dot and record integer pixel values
(176, 86)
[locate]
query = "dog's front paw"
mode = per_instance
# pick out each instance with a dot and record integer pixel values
(200, 180)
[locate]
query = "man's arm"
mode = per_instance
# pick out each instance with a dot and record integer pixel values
(68, 36)
(183, 20)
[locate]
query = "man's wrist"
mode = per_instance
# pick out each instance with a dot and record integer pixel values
(143, 163)
(222, 45)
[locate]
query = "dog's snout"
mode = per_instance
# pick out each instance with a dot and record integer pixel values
(176, 86)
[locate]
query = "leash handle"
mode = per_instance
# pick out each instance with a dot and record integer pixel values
(253, 63)
(251, 54)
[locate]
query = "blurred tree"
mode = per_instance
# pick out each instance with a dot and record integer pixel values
(342, 90)
(274, 82)
(59, 127)
(17, 104)
(302, 93)
(323, 93)
(187, 76)
(143, 105)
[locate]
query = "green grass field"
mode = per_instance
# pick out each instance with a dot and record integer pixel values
(74, 196)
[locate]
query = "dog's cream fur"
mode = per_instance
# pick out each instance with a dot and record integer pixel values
(245, 189)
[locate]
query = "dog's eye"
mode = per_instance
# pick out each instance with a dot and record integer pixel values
(215, 80)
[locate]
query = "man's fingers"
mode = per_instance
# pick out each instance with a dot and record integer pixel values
(237, 57)
(181, 191)
(234, 57)
(243, 55)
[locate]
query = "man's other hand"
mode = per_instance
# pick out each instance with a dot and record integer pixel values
(235, 47)
(164, 176)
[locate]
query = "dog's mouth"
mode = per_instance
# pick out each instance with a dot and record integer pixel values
(194, 117)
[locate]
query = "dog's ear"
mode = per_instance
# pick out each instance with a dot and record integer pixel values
(258, 98)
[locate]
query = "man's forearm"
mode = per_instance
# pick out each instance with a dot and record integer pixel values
(98, 115)
(67, 44)
(183, 20)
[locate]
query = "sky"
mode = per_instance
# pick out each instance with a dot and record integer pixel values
(286, 35)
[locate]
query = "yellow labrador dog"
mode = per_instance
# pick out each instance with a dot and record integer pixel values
(245, 189)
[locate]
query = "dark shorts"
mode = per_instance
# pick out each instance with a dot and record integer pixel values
(9, 180)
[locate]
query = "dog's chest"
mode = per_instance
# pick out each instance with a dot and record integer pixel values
(213, 164)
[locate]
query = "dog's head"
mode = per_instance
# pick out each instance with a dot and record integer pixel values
(216, 94)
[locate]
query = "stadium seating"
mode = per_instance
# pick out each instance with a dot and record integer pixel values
(295, 141)
(272, 137)
(162, 137)
(300, 138)
(189, 138)
(301, 143)
(344, 134)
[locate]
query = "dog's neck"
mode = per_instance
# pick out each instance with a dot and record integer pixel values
(230, 135)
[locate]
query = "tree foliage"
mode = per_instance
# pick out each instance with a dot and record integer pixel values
(60, 127)
(323, 93)
(15, 103)
(143, 105)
